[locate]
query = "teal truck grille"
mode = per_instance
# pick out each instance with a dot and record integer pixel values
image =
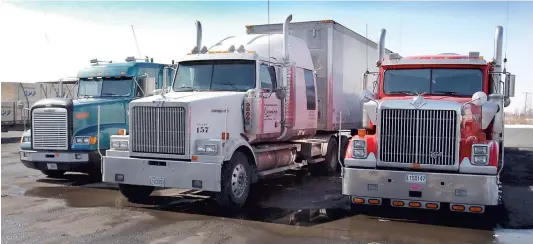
(158, 130)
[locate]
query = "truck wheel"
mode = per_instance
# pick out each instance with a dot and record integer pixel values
(54, 173)
(332, 162)
(236, 179)
(134, 192)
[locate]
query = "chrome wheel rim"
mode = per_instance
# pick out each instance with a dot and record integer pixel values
(239, 181)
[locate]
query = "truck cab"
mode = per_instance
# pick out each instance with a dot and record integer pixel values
(432, 134)
(66, 134)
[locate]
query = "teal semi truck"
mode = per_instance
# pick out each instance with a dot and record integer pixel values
(66, 135)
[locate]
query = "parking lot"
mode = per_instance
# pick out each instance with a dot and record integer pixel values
(295, 208)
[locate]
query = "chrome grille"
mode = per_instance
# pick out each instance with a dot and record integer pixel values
(418, 136)
(50, 129)
(158, 130)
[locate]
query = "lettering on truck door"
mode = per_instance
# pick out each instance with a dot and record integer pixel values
(271, 104)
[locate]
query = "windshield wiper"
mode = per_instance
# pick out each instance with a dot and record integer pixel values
(110, 94)
(185, 88)
(445, 92)
(410, 93)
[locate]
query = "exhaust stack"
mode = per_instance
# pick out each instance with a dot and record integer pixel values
(381, 46)
(498, 50)
(286, 37)
(198, 35)
(286, 84)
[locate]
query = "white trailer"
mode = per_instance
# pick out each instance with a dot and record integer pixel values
(247, 107)
(18, 97)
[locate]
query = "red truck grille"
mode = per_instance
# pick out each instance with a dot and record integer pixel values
(418, 136)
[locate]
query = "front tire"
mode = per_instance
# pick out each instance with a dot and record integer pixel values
(236, 180)
(135, 193)
(54, 173)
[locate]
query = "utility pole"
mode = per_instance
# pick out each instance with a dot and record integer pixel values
(525, 102)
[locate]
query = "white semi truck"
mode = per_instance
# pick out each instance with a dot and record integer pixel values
(247, 107)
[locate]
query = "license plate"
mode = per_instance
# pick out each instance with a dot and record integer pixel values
(51, 166)
(157, 181)
(416, 178)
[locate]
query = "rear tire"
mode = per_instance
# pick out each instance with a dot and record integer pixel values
(54, 173)
(236, 180)
(135, 192)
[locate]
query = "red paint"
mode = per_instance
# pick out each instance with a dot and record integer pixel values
(471, 131)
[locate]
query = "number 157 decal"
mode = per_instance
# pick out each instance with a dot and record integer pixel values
(202, 129)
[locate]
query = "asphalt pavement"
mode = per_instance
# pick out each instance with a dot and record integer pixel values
(294, 208)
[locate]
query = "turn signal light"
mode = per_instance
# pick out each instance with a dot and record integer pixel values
(415, 204)
(122, 132)
(92, 140)
(476, 209)
(432, 205)
(225, 136)
(458, 208)
(398, 203)
(361, 133)
(373, 201)
(358, 200)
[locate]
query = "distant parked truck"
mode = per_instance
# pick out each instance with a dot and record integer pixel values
(431, 137)
(18, 97)
(66, 134)
(247, 107)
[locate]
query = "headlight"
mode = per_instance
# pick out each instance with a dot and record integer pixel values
(119, 144)
(359, 148)
(210, 149)
(359, 144)
(26, 139)
(480, 150)
(480, 154)
(480, 159)
(85, 140)
(359, 153)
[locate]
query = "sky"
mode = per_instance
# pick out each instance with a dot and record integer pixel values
(49, 39)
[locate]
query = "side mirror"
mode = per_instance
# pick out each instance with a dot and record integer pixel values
(509, 85)
(479, 98)
(368, 96)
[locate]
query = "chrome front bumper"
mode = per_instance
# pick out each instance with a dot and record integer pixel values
(438, 187)
(54, 157)
(161, 172)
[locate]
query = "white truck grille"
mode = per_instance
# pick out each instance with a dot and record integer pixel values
(418, 136)
(158, 130)
(50, 129)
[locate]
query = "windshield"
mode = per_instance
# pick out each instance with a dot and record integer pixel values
(215, 75)
(104, 87)
(456, 82)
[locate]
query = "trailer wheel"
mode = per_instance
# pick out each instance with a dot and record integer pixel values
(236, 180)
(54, 173)
(135, 193)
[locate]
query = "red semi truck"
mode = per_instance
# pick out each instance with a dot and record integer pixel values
(432, 135)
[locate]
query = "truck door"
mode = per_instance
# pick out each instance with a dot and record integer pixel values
(271, 104)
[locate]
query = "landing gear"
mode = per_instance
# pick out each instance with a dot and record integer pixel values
(236, 180)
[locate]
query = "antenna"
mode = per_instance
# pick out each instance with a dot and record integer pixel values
(136, 43)
(401, 28)
(268, 22)
(367, 40)
(506, 37)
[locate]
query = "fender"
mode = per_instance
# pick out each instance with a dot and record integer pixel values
(233, 144)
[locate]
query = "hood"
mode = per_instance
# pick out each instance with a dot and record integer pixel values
(83, 102)
(187, 97)
(113, 113)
